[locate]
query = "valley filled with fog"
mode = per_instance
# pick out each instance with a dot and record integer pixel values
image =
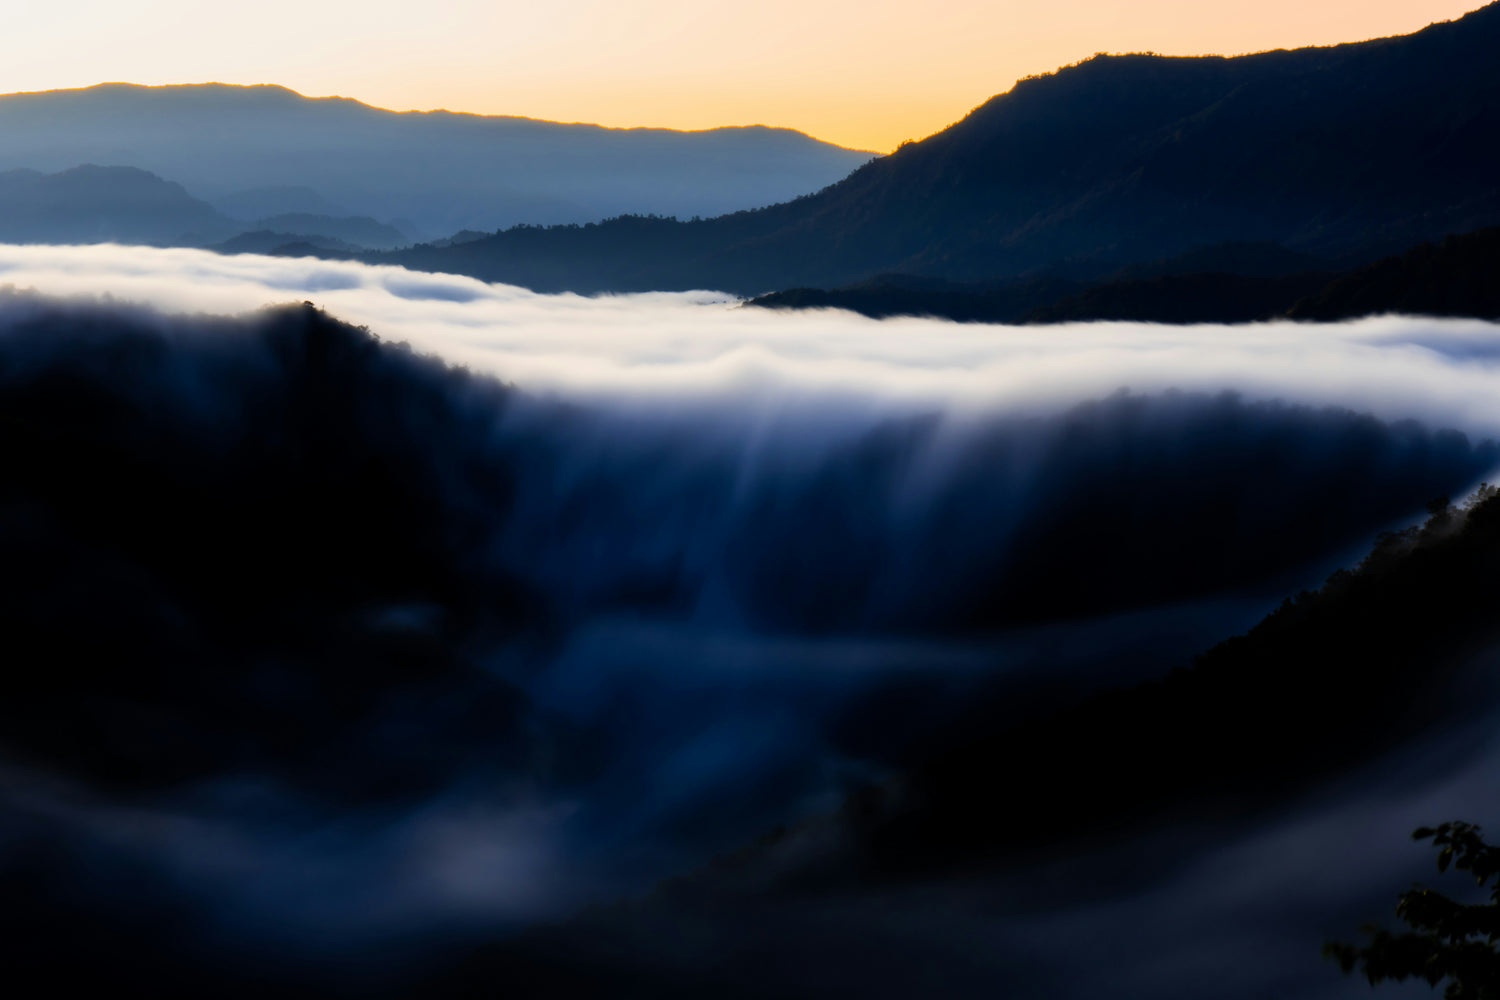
(513, 603)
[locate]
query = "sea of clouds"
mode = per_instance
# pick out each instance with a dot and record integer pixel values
(663, 348)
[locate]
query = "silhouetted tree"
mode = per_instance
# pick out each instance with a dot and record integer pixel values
(1448, 940)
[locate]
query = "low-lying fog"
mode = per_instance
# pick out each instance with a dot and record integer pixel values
(713, 565)
(645, 350)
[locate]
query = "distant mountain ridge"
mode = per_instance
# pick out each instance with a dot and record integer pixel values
(1347, 152)
(113, 204)
(265, 150)
(359, 230)
(94, 204)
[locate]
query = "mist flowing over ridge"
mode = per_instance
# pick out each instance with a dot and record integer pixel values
(387, 656)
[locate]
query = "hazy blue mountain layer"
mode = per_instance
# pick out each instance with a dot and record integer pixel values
(360, 230)
(92, 204)
(264, 151)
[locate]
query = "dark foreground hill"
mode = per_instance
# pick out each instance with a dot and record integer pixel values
(1347, 153)
(1458, 277)
(257, 152)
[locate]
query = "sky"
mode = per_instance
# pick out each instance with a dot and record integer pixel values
(862, 73)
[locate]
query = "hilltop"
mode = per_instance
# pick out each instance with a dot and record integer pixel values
(1345, 153)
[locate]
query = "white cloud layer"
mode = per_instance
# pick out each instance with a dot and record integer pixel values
(697, 345)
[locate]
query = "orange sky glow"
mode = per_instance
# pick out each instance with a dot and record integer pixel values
(862, 73)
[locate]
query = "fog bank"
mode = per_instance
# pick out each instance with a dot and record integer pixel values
(337, 648)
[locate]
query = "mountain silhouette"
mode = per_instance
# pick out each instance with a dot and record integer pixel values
(1345, 153)
(92, 204)
(265, 150)
(269, 242)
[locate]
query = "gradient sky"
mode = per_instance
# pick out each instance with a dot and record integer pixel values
(863, 73)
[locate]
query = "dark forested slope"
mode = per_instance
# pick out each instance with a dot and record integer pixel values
(1459, 277)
